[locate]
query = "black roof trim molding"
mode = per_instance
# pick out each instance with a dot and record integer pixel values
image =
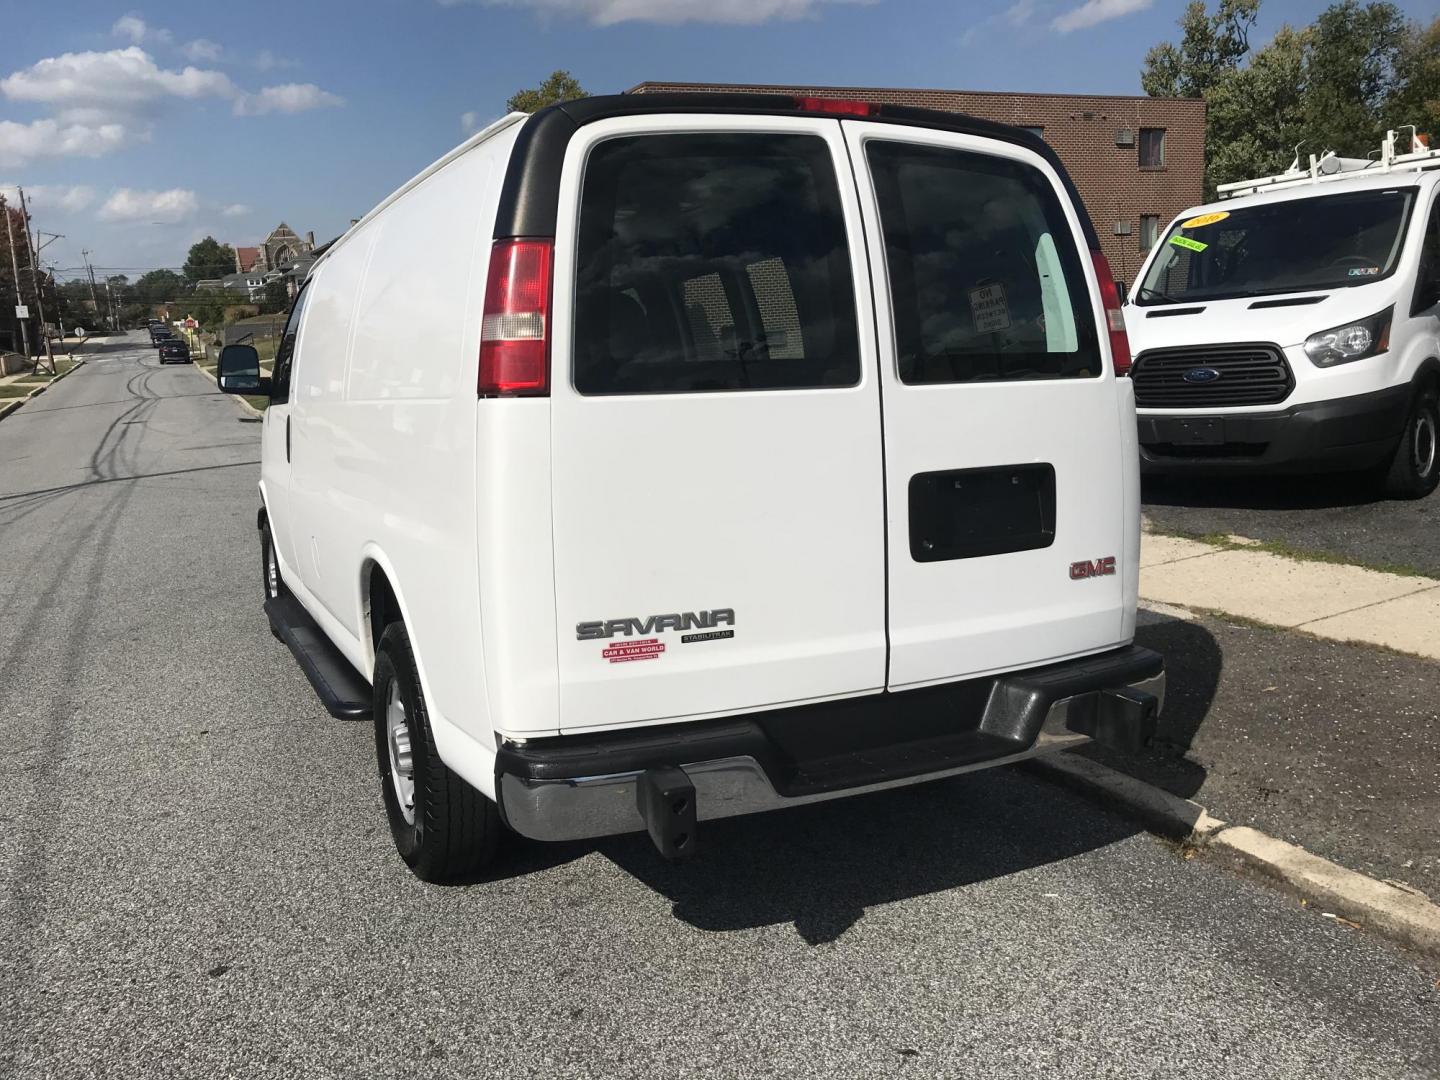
(530, 195)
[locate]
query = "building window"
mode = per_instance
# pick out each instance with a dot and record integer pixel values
(1149, 230)
(1152, 148)
(1033, 129)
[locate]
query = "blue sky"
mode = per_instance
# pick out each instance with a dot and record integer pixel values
(139, 130)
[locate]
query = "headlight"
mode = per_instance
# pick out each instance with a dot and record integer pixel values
(1353, 341)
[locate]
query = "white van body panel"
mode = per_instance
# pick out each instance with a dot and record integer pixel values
(1413, 339)
(385, 440)
(768, 503)
(969, 617)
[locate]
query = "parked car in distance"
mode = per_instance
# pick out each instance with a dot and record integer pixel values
(750, 451)
(1295, 326)
(174, 350)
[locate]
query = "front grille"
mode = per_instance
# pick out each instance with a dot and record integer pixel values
(1250, 374)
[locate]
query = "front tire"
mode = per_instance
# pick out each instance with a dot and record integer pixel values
(443, 828)
(1414, 471)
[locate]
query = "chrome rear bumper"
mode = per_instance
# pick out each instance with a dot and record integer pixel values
(608, 803)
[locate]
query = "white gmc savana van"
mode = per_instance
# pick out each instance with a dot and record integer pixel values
(1295, 326)
(657, 459)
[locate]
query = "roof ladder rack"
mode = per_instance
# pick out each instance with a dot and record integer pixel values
(1330, 167)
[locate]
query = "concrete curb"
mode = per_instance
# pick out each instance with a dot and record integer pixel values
(1405, 916)
(245, 406)
(14, 406)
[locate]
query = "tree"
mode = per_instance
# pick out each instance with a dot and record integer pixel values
(277, 297)
(1415, 96)
(561, 86)
(209, 259)
(160, 287)
(1337, 84)
(1210, 47)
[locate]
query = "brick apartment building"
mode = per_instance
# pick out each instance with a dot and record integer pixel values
(1137, 161)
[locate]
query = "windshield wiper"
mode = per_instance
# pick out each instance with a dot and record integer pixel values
(1145, 290)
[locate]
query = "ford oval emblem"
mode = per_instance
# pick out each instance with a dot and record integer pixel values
(1201, 374)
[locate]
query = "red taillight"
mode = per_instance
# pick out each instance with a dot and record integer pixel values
(836, 106)
(515, 329)
(1114, 317)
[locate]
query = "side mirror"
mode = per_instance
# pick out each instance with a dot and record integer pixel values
(239, 371)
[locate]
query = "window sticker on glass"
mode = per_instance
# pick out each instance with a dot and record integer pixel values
(1205, 219)
(989, 310)
(1188, 244)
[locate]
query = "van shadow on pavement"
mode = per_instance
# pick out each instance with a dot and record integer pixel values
(1193, 663)
(821, 866)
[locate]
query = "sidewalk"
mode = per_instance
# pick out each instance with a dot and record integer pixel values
(1331, 746)
(1326, 599)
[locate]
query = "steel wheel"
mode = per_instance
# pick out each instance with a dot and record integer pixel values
(1422, 443)
(402, 761)
(272, 571)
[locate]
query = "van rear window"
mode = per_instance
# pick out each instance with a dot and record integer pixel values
(711, 262)
(985, 278)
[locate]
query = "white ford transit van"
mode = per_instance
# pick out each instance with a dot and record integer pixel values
(1295, 326)
(658, 459)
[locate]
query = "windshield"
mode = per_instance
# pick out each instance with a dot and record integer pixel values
(1321, 243)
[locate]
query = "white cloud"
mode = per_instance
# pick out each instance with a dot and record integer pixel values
(165, 207)
(51, 196)
(134, 29)
(285, 98)
(734, 12)
(470, 122)
(1017, 16)
(91, 86)
(22, 143)
(268, 61)
(200, 49)
(235, 210)
(1094, 12)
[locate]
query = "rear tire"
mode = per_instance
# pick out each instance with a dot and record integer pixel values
(1414, 471)
(270, 579)
(443, 828)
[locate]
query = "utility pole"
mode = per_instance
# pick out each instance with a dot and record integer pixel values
(59, 308)
(34, 252)
(91, 271)
(15, 269)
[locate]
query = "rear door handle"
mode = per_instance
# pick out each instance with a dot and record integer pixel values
(287, 438)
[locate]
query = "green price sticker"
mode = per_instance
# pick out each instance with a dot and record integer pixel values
(1188, 244)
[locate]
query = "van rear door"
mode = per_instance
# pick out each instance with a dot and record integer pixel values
(1003, 435)
(717, 483)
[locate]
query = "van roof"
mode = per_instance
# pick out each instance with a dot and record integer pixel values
(530, 196)
(1358, 181)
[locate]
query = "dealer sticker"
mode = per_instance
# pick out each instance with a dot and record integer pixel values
(1205, 219)
(989, 308)
(648, 649)
(1188, 244)
(1364, 271)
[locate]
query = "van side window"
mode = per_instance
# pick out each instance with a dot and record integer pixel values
(712, 262)
(1427, 281)
(985, 278)
(285, 353)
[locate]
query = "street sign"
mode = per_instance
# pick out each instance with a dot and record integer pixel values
(80, 331)
(22, 311)
(190, 324)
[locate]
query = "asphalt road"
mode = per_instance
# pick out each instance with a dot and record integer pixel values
(198, 880)
(1335, 515)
